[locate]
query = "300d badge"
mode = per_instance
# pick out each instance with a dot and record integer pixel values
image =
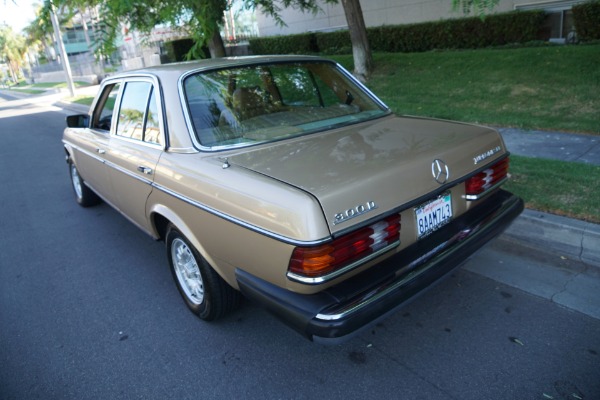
(354, 212)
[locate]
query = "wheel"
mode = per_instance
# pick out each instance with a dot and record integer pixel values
(205, 293)
(84, 195)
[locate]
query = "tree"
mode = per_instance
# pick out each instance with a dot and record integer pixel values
(361, 51)
(479, 7)
(12, 49)
(200, 18)
(39, 31)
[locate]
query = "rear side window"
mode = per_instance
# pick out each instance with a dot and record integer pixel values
(133, 108)
(152, 131)
(138, 114)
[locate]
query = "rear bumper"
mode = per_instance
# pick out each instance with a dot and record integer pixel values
(342, 310)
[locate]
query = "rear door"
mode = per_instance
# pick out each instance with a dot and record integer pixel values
(136, 146)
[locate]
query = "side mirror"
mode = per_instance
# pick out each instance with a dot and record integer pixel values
(78, 121)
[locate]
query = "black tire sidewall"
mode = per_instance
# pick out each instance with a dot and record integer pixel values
(88, 197)
(204, 310)
(77, 197)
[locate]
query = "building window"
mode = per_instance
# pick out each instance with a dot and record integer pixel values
(559, 20)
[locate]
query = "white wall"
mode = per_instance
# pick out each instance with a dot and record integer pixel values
(376, 13)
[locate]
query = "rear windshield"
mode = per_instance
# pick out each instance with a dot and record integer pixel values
(262, 103)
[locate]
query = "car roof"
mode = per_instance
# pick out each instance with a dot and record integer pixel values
(181, 68)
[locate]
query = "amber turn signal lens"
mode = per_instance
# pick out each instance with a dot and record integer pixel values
(324, 259)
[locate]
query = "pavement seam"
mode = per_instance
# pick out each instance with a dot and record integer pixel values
(588, 151)
(411, 370)
(566, 284)
(581, 245)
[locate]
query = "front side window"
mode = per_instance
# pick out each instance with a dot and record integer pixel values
(262, 103)
(106, 104)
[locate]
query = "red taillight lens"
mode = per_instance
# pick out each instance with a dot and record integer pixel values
(477, 185)
(321, 260)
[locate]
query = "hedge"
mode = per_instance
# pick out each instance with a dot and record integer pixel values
(587, 20)
(303, 43)
(494, 30)
(177, 50)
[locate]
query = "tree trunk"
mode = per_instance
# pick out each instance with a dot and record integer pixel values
(216, 45)
(361, 51)
(85, 29)
(13, 69)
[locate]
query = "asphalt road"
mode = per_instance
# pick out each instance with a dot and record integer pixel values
(88, 310)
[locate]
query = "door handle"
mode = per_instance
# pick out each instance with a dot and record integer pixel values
(100, 151)
(145, 170)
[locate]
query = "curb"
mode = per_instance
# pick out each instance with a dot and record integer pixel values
(568, 237)
(77, 108)
(575, 239)
(15, 94)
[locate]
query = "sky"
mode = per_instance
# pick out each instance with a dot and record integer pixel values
(17, 13)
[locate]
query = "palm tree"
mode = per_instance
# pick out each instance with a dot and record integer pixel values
(39, 31)
(12, 50)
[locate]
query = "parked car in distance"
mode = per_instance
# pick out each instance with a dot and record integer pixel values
(284, 179)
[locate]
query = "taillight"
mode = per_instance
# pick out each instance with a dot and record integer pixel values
(477, 185)
(319, 261)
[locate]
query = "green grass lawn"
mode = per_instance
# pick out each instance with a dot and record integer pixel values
(84, 100)
(564, 188)
(548, 87)
(56, 85)
(28, 91)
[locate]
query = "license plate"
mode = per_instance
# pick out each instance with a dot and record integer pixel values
(433, 214)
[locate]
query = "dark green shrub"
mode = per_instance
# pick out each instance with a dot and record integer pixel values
(587, 20)
(464, 33)
(337, 42)
(290, 44)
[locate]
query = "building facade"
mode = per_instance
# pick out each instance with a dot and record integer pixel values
(399, 12)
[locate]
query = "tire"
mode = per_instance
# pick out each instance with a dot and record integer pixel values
(204, 292)
(84, 196)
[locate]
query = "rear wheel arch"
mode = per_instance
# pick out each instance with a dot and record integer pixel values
(162, 217)
(160, 225)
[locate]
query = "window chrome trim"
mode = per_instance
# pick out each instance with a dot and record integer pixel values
(363, 87)
(254, 228)
(341, 271)
(239, 222)
(139, 142)
(253, 62)
(156, 89)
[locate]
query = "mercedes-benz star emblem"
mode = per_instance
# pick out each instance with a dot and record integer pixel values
(440, 171)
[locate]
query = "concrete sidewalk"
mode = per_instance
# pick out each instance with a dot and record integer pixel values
(579, 240)
(570, 147)
(553, 257)
(549, 233)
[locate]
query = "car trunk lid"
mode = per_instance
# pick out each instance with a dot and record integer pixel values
(374, 167)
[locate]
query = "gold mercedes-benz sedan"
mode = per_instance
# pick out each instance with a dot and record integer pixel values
(286, 180)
